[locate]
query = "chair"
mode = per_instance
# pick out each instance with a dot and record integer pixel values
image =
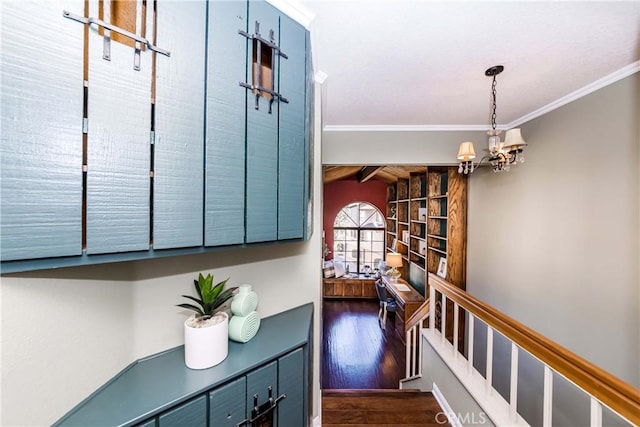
(387, 304)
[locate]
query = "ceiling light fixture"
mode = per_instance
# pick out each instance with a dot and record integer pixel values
(501, 154)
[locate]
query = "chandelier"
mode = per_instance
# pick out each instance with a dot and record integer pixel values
(502, 154)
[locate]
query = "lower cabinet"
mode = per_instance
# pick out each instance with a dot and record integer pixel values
(191, 414)
(349, 288)
(271, 395)
(227, 406)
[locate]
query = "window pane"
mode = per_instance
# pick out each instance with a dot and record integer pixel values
(350, 237)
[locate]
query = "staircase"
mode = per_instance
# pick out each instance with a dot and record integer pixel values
(401, 408)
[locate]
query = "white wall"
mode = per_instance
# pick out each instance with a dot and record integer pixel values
(65, 332)
(392, 147)
(554, 243)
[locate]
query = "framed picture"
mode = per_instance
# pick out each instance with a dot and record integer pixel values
(442, 268)
(394, 245)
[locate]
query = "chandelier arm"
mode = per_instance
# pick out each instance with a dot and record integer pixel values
(477, 165)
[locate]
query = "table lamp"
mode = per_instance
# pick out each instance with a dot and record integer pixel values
(394, 260)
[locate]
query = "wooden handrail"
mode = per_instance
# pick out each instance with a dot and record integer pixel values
(618, 395)
(418, 316)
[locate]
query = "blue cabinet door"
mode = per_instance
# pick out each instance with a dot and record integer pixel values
(308, 135)
(118, 143)
(225, 127)
(179, 125)
(190, 414)
(259, 382)
(262, 133)
(227, 405)
(41, 139)
(291, 382)
(291, 144)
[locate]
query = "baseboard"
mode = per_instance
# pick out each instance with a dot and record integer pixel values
(451, 416)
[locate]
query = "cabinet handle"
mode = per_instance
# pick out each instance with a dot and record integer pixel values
(258, 37)
(262, 89)
(106, 55)
(273, 403)
(275, 48)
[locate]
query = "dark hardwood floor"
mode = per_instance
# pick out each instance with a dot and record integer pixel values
(357, 353)
(383, 408)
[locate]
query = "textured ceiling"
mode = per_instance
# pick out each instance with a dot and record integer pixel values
(421, 63)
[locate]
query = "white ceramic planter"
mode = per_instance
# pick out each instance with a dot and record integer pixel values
(206, 347)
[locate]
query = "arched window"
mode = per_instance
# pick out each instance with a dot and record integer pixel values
(358, 236)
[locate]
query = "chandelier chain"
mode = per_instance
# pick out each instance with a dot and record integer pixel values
(493, 114)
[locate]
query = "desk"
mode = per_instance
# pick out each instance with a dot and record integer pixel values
(407, 302)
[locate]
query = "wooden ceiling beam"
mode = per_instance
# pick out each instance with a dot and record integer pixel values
(368, 172)
(336, 173)
(386, 177)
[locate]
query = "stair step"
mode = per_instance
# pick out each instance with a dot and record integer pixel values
(406, 408)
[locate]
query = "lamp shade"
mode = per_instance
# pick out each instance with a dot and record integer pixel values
(466, 151)
(394, 260)
(513, 139)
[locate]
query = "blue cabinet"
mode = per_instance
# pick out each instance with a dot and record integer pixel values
(292, 163)
(179, 154)
(225, 123)
(227, 408)
(41, 138)
(178, 138)
(291, 382)
(190, 414)
(262, 125)
(270, 372)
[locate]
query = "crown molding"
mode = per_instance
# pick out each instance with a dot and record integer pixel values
(403, 128)
(584, 91)
(320, 76)
(295, 11)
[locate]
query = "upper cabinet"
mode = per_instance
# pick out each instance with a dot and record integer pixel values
(292, 155)
(41, 139)
(263, 107)
(174, 126)
(179, 125)
(226, 123)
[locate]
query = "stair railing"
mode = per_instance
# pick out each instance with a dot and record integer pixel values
(603, 388)
(413, 341)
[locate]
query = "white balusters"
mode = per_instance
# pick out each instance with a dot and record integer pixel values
(513, 391)
(547, 397)
(420, 348)
(596, 413)
(489, 376)
(443, 319)
(409, 350)
(432, 308)
(456, 311)
(470, 346)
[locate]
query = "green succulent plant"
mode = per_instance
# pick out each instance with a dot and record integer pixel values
(210, 297)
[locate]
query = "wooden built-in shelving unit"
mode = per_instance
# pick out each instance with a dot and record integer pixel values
(427, 221)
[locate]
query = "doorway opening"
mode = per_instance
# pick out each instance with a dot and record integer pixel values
(357, 352)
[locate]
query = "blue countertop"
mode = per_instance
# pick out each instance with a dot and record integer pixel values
(156, 383)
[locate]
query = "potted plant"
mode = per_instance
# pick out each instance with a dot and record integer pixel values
(206, 341)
